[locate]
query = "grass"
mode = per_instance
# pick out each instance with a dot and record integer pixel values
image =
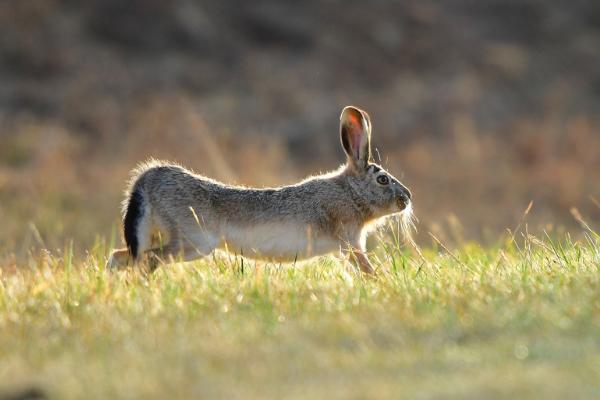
(514, 321)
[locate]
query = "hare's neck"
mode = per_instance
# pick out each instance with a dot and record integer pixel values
(363, 209)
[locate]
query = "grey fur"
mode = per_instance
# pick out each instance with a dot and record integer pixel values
(192, 215)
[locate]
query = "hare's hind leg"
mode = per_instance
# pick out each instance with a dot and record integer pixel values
(119, 258)
(183, 247)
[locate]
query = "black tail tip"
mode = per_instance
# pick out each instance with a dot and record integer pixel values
(131, 221)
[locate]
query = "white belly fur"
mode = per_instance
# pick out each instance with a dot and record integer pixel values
(281, 242)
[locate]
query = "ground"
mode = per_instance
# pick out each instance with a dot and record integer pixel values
(516, 320)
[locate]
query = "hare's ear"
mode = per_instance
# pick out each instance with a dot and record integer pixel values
(355, 133)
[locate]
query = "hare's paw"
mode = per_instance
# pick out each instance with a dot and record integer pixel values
(118, 259)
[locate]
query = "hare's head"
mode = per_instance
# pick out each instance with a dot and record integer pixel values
(378, 190)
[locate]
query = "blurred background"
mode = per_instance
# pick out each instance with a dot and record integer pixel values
(479, 107)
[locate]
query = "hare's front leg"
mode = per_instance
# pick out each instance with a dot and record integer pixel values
(358, 257)
(363, 261)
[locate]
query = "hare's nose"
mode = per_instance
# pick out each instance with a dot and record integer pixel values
(405, 195)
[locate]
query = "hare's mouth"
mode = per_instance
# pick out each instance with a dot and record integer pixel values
(402, 204)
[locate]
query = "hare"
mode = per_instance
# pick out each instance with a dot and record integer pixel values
(192, 215)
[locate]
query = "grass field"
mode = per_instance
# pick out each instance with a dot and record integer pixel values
(521, 320)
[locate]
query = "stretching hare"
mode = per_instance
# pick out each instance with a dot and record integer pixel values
(172, 212)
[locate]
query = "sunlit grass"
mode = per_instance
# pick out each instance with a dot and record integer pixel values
(521, 320)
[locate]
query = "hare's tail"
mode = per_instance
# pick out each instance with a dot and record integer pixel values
(134, 212)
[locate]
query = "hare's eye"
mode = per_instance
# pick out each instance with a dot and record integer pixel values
(383, 180)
